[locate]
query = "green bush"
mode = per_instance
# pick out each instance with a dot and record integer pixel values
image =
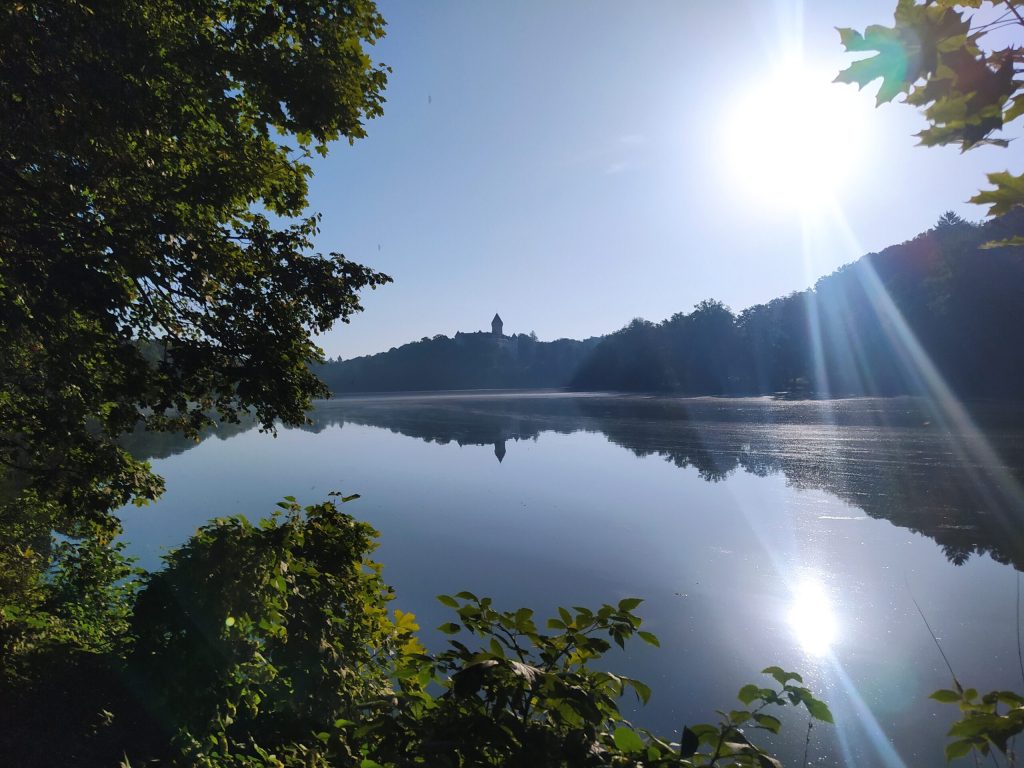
(272, 644)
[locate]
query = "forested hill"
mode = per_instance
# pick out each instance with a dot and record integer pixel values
(893, 322)
(467, 361)
(938, 308)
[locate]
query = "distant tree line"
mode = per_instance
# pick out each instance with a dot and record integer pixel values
(467, 361)
(940, 307)
(895, 322)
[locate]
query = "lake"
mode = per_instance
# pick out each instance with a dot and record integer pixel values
(758, 531)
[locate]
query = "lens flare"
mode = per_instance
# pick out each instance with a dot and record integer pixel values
(812, 619)
(795, 137)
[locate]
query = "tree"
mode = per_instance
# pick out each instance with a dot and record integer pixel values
(156, 260)
(935, 54)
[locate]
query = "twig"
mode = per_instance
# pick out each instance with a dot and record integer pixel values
(807, 743)
(932, 633)
(1013, 8)
(1020, 654)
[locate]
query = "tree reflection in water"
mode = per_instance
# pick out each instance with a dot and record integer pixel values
(884, 456)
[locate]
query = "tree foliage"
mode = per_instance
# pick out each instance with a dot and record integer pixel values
(156, 259)
(936, 55)
(988, 724)
(273, 645)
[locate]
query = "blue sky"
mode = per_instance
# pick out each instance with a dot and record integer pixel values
(573, 164)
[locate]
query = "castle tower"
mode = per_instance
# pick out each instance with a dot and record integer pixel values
(496, 325)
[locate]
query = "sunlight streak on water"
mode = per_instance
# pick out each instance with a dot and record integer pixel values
(1002, 493)
(864, 724)
(811, 616)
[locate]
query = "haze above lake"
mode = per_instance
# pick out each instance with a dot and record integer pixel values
(759, 532)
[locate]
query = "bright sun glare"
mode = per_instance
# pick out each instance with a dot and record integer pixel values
(795, 138)
(812, 619)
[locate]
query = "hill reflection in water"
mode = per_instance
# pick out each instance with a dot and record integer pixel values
(885, 456)
(888, 457)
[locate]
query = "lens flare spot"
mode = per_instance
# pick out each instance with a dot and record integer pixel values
(812, 618)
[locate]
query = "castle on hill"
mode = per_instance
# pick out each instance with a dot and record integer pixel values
(497, 335)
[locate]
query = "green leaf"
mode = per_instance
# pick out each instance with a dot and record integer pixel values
(768, 722)
(983, 726)
(627, 740)
(945, 696)
(1008, 193)
(649, 638)
(629, 603)
(448, 600)
(450, 628)
(748, 693)
(1015, 241)
(819, 710)
(643, 691)
(891, 62)
(1015, 110)
(689, 742)
(781, 676)
(958, 749)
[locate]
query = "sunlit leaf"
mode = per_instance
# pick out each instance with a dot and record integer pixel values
(768, 722)
(748, 693)
(627, 740)
(819, 710)
(1008, 193)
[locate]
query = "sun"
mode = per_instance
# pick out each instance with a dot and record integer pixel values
(795, 138)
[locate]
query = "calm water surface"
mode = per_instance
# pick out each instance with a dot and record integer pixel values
(758, 531)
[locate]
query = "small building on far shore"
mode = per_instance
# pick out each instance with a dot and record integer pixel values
(496, 325)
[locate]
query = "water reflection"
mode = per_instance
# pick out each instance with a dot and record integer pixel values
(812, 618)
(751, 556)
(884, 456)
